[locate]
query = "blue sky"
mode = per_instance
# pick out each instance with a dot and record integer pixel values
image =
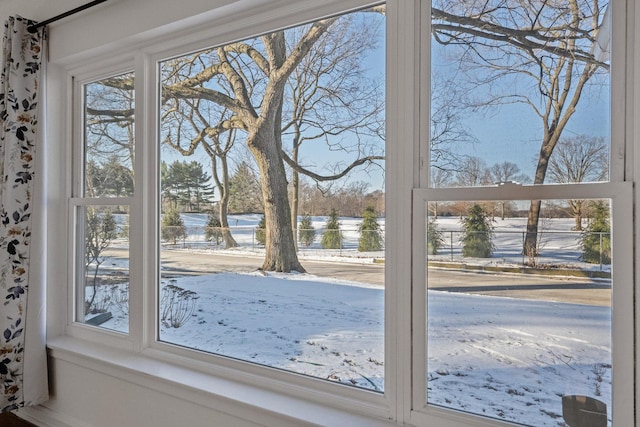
(514, 132)
(507, 133)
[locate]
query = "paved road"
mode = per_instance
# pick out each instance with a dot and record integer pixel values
(183, 262)
(580, 291)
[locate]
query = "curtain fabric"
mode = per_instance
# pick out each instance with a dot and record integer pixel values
(23, 375)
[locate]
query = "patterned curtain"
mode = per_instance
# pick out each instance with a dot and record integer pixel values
(23, 375)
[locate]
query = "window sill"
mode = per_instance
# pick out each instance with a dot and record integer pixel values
(234, 398)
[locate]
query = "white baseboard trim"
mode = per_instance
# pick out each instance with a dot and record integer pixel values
(45, 417)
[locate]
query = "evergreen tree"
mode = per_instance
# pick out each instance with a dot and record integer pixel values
(173, 227)
(245, 193)
(261, 235)
(110, 178)
(596, 239)
(370, 234)
(213, 231)
(185, 185)
(168, 188)
(200, 190)
(119, 180)
(332, 237)
(306, 232)
(435, 240)
(477, 233)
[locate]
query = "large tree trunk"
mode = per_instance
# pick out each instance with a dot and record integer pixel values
(280, 247)
(531, 239)
(225, 195)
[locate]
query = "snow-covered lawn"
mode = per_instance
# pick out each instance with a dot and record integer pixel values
(501, 357)
(515, 359)
(506, 358)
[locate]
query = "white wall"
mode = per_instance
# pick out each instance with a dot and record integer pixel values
(108, 22)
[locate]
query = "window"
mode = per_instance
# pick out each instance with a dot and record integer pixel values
(522, 284)
(270, 164)
(102, 202)
(512, 337)
(252, 192)
(411, 207)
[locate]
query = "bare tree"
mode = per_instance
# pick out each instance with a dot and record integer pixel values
(100, 231)
(506, 172)
(249, 80)
(541, 45)
(447, 132)
(109, 137)
(188, 125)
(581, 158)
(473, 172)
(439, 178)
(330, 99)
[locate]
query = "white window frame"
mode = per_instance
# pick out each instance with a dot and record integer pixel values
(622, 334)
(406, 191)
(77, 80)
(618, 189)
(144, 222)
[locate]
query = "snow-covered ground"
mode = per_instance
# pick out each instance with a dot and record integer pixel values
(506, 358)
(558, 244)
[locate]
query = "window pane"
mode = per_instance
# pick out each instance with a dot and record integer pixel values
(104, 277)
(520, 91)
(510, 336)
(263, 261)
(109, 138)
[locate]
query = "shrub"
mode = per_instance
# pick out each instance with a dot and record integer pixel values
(370, 234)
(332, 237)
(596, 238)
(477, 233)
(435, 240)
(177, 305)
(261, 232)
(306, 232)
(213, 230)
(173, 227)
(101, 229)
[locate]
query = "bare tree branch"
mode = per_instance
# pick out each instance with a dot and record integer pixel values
(341, 174)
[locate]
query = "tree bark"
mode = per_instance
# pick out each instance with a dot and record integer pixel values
(280, 247)
(223, 188)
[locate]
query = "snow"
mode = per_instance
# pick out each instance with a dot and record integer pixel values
(507, 358)
(514, 359)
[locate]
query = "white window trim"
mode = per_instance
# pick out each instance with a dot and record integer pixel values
(622, 293)
(77, 79)
(619, 189)
(140, 343)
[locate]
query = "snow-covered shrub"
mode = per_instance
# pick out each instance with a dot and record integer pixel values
(306, 232)
(370, 234)
(477, 233)
(332, 237)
